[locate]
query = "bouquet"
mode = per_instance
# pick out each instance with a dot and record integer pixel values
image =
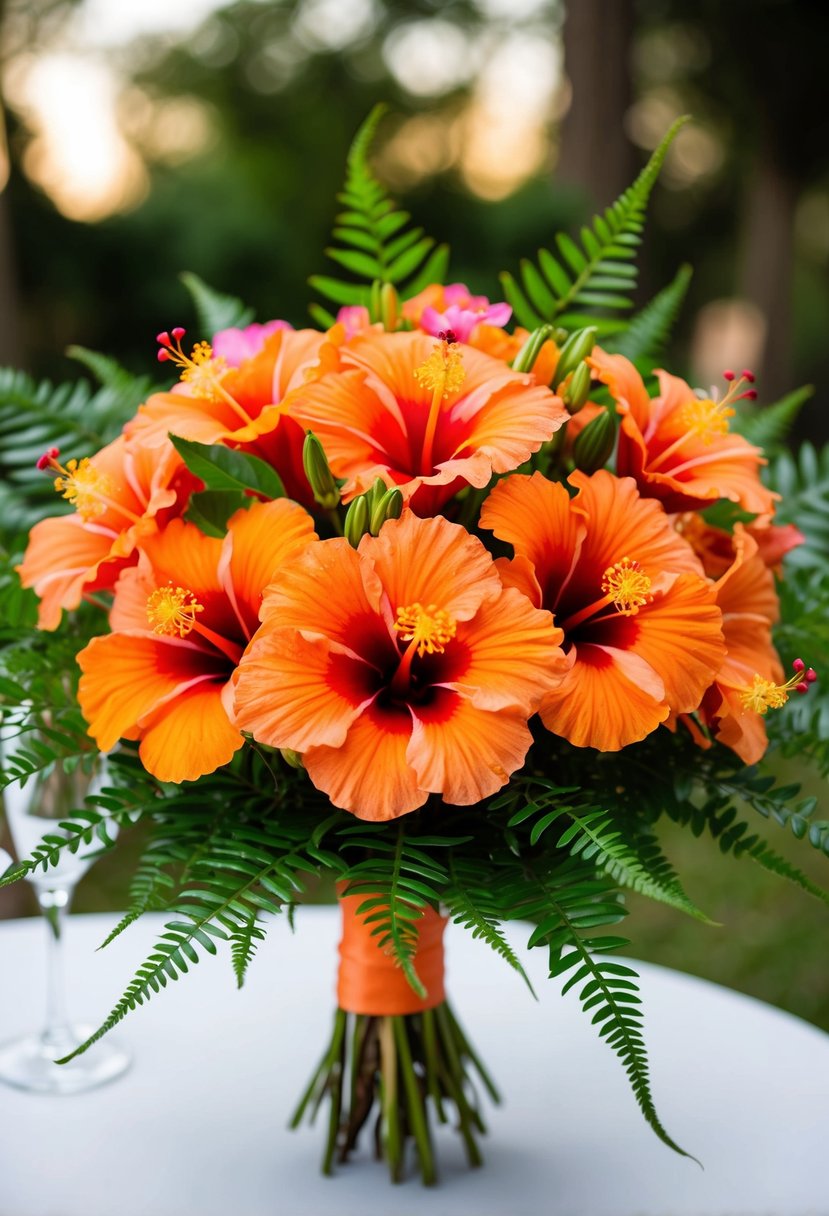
(444, 602)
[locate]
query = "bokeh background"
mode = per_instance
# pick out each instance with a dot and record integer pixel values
(140, 139)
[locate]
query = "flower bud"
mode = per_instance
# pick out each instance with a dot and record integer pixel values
(577, 389)
(574, 351)
(294, 759)
(317, 470)
(356, 521)
(390, 506)
(524, 361)
(594, 444)
(375, 303)
(389, 308)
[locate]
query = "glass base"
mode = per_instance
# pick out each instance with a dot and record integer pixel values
(29, 1063)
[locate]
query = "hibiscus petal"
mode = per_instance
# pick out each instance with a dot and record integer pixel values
(596, 705)
(126, 676)
(465, 753)
(431, 561)
(189, 736)
(369, 775)
(511, 655)
(298, 692)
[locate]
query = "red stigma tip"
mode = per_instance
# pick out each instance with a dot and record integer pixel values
(811, 675)
(163, 356)
(447, 335)
(178, 333)
(798, 665)
(728, 375)
(801, 687)
(44, 461)
(750, 376)
(163, 339)
(751, 395)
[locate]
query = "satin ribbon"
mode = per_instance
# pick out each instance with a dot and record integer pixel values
(369, 980)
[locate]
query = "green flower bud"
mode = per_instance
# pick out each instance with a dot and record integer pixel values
(294, 759)
(390, 506)
(578, 388)
(574, 351)
(594, 444)
(375, 307)
(356, 521)
(317, 470)
(524, 361)
(389, 308)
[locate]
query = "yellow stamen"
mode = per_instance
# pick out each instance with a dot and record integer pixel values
(172, 611)
(429, 628)
(627, 586)
(443, 371)
(85, 487)
(442, 374)
(200, 371)
(762, 695)
(706, 418)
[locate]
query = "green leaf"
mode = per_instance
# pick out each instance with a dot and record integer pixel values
(225, 469)
(768, 426)
(210, 510)
(600, 268)
(648, 332)
(214, 310)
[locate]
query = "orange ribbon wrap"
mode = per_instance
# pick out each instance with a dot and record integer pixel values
(370, 981)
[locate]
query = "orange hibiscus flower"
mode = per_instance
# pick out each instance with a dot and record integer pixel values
(677, 446)
(243, 407)
(181, 620)
(120, 495)
(398, 669)
(642, 631)
(426, 416)
(715, 546)
(749, 682)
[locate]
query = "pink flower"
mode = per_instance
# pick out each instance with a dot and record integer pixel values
(354, 318)
(237, 345)
(438, 309)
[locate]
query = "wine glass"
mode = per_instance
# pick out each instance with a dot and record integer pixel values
(33, 807)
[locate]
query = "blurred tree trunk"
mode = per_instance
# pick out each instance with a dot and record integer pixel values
(767, 268)
(595, 151)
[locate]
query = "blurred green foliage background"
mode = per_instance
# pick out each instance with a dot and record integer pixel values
(142, 140)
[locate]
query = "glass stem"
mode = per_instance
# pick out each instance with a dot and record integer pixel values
(54, 904)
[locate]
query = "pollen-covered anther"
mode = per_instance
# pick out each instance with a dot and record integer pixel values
(443, 372)
(762, 694)
(172, 611)
(627, 585)
(199, 370)
(706, 418)
(86, 487)
(430, 628)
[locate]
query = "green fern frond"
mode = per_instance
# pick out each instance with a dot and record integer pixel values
(567, 902)
(399, 880)
(769, 426)
(243, 942)
(471, 904)
(567, 290)
(373, 241)
(803, 481)
(71, 417)
(647, 334)
(214, 310)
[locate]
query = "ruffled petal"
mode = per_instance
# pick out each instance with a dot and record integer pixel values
(597, 705)
(369, 775)
(128, 676)
(63, 557)
(258, 542)
(189, 736)
(465, 753)
(431, 561)
(296, 692)
(510, 655)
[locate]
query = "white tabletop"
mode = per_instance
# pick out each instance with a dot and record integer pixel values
(199, 1124)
